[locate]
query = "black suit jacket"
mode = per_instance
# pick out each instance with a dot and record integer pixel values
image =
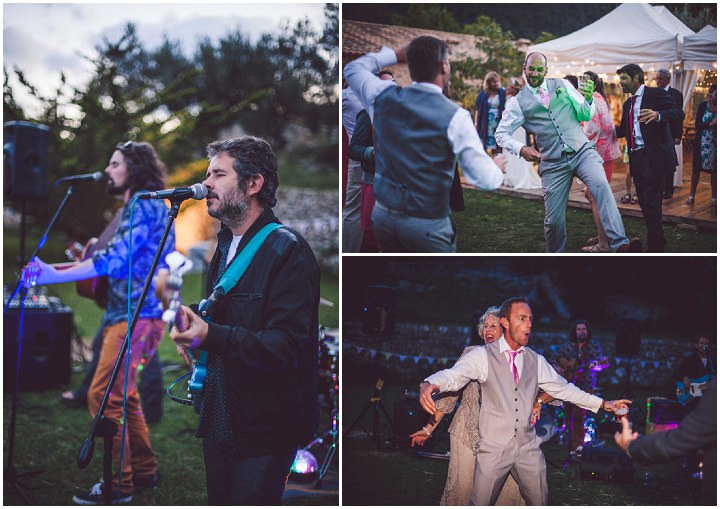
(697, 431)
(676, 128)
(656, 135)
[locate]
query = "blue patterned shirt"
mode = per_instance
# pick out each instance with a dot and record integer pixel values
(149, 219)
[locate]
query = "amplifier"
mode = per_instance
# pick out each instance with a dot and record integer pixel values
(45, 361)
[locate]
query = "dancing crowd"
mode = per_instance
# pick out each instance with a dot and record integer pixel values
(403, 178)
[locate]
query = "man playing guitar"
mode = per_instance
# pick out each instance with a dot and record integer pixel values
(694, 373)
(580, 359)
(133, 167)
(259, 402)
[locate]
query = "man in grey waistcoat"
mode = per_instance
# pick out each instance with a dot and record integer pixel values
(419, 134)
(552, 110)
(510, 375)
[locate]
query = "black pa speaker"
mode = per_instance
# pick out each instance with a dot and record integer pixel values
(379, 310)
(409, 418)
(25, 155)
(627, 337)
(606, 464)
(45, 357)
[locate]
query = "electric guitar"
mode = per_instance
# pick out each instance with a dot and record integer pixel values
(697, 387)
(179, 265)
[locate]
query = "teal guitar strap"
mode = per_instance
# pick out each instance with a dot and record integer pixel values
(241, 262)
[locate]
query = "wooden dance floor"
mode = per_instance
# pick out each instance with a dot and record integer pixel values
(701, 215)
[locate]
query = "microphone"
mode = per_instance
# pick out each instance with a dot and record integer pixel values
(195, 191)
(85, 177)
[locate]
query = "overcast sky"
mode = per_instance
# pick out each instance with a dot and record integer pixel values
(43, 39)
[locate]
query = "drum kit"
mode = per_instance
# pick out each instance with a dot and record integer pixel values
(306, 467)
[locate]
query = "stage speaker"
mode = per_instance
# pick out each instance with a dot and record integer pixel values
(627, 337)
(45, 362)
(606, 464)
(25, 155)
(379, 310)
(409, 418)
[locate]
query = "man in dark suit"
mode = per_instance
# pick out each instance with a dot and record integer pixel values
(676, 127)
(646, 125)
(697, 431)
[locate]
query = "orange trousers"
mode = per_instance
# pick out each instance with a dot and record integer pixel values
(138, 458)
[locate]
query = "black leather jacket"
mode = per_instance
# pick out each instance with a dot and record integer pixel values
(266, 329)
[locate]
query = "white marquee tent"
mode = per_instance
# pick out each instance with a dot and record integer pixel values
(632, 33)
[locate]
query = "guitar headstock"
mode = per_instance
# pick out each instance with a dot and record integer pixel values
(179, 265)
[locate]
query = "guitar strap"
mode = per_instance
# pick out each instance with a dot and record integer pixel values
(236, 269)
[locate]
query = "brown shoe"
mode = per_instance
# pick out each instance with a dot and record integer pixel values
(634, 246)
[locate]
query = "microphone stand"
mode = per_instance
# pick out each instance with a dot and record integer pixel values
(10, 475)
(101, 426)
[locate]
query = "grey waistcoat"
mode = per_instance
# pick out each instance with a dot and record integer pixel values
(505, 410)
(414, 160)
(555, 126)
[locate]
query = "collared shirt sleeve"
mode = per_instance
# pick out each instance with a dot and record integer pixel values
(361, 76)
(559, 388)
(478, 168)
(583, 110)
(473, 366)
(512, 118)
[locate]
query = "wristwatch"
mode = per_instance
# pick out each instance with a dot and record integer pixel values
(539, 400)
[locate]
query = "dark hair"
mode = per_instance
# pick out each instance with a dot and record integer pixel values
(599, 85)
(573, 335)
(534, 53)
(425, 56)
(145, 170)
(632, 70)
(252, 156)
(572, 79)
(507, 306)
(702, 335)
(384, 72)
(712, 88)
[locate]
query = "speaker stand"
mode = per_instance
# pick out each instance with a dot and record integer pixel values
(376, 404)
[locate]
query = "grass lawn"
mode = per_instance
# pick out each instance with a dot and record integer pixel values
(399, 477)
(492, 223)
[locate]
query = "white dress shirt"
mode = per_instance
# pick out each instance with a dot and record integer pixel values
(477, 167)
(474, 366)
(513, 117)
(639, 140)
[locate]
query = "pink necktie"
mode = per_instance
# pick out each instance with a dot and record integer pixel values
(544, 97)
(513, 367)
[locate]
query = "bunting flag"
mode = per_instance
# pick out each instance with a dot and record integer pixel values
(417, 358)
(642, 364)
(387, 355)
(402, 357)
(431, 359)
(656, 364)
(372, 351)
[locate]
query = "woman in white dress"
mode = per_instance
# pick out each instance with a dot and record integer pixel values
(519, 173)
(464, 433)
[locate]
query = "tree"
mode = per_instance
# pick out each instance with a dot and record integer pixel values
(696, 17)
(431, 16)
(500, 55)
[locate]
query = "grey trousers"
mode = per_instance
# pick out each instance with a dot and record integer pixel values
(495, 462)
(400, 233)
(557, 177)
(351, 230)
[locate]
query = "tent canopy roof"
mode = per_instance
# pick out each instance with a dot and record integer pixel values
(700, 49)
(631, 33)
